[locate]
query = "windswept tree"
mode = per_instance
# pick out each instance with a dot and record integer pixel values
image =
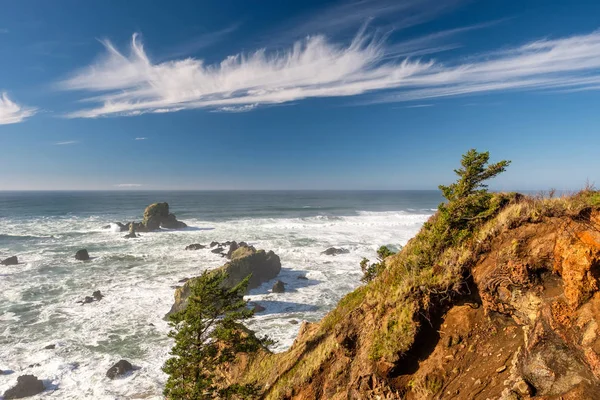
(469, 201)
(209, 334)
(474, 172)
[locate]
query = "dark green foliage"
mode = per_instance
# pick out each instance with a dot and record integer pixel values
(469, 202)
(208, 334)
(370, 271)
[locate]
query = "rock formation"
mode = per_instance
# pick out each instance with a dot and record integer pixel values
(157, 216)
(195, 246)
(512, 312)
(278, 287)
(82, 255)
(246, 260)
(332, 251)
(27, 385)
(10, 261)
(119, 369)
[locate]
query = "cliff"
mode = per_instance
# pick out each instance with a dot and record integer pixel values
(507, 307)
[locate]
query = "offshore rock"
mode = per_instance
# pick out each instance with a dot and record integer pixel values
(278, 287)
(119, 369)
(82, 255)
(27, 385)
(195, 246)
(10, 261)
(157, 216)
(262, 265)
(332, 251)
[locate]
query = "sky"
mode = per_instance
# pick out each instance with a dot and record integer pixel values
(237, 94)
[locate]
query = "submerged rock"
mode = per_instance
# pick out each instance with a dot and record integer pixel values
(218, 250)
(50, 347)
(195, 246)
(213, 244)
(27, 385)
(261, 265)
(278, 287)
(82, 255)
(302, 277)
(258, 308)
(97, 295)
(10, 261)
(332, 251)
(119, 369)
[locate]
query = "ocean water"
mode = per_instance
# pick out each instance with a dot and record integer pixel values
(38, 297)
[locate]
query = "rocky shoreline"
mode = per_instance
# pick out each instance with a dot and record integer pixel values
(242, 259)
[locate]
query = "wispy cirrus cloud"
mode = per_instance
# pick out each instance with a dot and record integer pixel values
(131, 84)
(4, 30)
(11, 112)
(65, 143)
(128, 185)
(140, 138)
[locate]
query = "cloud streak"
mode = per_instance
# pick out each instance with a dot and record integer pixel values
(128, 185)
(11, 112)
(131, 84)
(65, 143)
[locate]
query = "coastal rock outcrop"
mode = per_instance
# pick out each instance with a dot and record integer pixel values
(245, 261)
(10, 261)
(27, 385)
(82, 255)
(157, 216)
(119, 369)
(332, 251)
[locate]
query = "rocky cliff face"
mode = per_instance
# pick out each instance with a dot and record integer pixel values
(511, 313)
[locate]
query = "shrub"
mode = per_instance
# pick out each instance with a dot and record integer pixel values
(370, 271)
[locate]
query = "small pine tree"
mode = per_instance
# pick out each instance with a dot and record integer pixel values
(473, 173)
(208, 333)
(468, 198)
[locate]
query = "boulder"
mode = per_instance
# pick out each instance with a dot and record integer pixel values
(119, 369)
(27, 385)
(232, 247)
(278, 287)
(82, 255)
(50, 347)
(261, 265)
(332, 251)
(302, 277)
(195, 246)
(10, 261)
(218, 250)
(97, 295)
(213, 244)
(131, 236)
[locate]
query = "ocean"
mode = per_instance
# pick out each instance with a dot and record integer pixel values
(38, 297)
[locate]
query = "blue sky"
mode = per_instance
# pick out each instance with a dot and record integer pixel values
(371, 94)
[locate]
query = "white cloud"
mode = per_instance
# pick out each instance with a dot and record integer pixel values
(140, 138)
(420, 106)
(315, 67)
(66, 143)
(3, 30)
(11, 112)
(128, 185)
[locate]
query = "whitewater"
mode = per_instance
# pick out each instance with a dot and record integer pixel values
(138, 277)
